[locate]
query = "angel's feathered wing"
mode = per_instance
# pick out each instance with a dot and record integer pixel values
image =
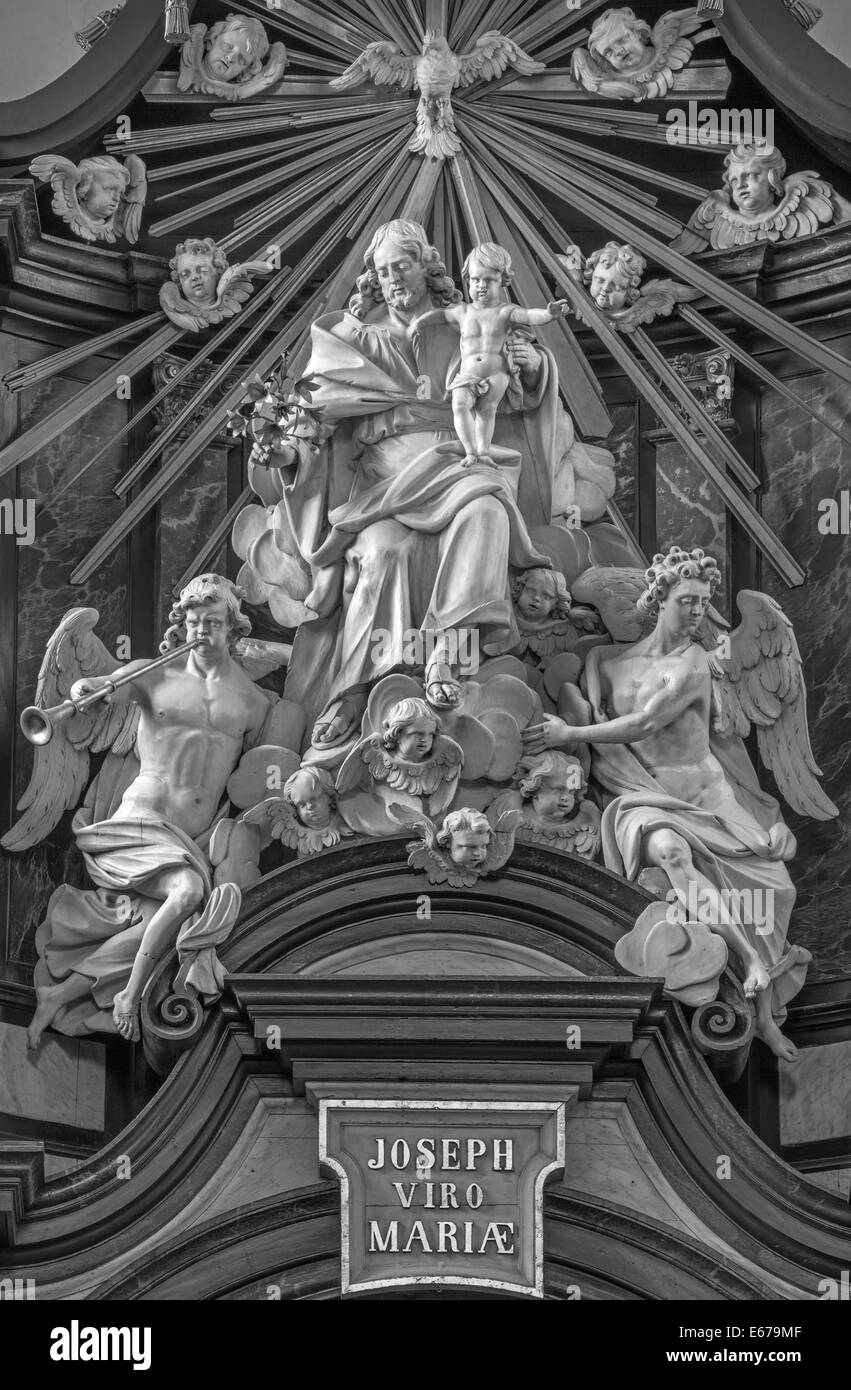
(190, 57)
(128, 219)
(504, 825)
(657, 299)
(761, 684)
(423, 854)
(382, 62)
(61, 767)
(179, 310)
(614, 591)
(492, 54)
(63, 177)
(806, 205)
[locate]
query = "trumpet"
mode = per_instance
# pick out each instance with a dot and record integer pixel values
(39, 725)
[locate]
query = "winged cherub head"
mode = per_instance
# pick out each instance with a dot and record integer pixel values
(197, 267)
(216, 599)
(313, 797)
(753, 176)
(541, 594)
(680, 587)
(466, 835)
(614, 274)
(551, 784)
(234, 49)
(621, 40)
(103, 181)
(410, 730)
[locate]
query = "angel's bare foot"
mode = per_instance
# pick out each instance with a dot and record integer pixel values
(125, 1015)
(341, 719)
(756, 979)
(49, 1000)
(441, 688)
(781, 1046)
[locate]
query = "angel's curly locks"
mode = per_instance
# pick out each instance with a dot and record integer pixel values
(464, 819)
(207, 588)
(667, 571)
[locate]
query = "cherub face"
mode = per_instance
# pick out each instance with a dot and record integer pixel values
(311, 803)
(485, 285)
(228, 57)
(469, 848)
(750, 188)
(416, 740)
(555, 798)
(401, 276)
(623, 48)
(609, 286)
(536, 599)
(104, 196)
(197, 277)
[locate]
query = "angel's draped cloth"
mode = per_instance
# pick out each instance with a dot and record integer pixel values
(97, 933)
(425, 544)
(729, 846)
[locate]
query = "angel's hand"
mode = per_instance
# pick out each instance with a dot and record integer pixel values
(89, 686)
(554, 733)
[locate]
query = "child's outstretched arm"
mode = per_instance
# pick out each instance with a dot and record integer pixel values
(536, 318)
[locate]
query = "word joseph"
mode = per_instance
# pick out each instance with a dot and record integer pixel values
(429, 1236)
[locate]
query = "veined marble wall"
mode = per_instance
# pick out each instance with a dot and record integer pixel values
(64, 533)
(690, 511)
(804, 463)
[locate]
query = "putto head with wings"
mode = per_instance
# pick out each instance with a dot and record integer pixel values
(305, 816)
(614, 274)
(627, 59)
(100, 198)
(227, 60)
(555, 811)
(759, 203)
(203, 289)
(435, 73)
(410, 755)
(468, 846)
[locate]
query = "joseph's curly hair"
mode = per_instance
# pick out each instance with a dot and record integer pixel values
(464, 819)
(199, 246)
(412, 237)
(627, 260)
(207, 588)
(666, 572)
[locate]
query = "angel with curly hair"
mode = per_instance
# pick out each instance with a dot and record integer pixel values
(671, 710)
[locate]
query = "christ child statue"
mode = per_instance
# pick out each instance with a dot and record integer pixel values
(485, 324)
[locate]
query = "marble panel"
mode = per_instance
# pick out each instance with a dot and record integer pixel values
(804, 464)
(690, 512)
(64, 1082)
(186, 517)
(623, 442)
(815, 1094)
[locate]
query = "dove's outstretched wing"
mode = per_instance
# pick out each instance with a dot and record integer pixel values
(63, 177)
(492, 54)
(657, 299)
(504, 825)
(382, 62)
(423, 854)
(61, 767)
(128, 219)
(761, 684)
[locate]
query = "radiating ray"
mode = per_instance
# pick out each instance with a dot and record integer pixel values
(217, 537)
(470, 21)
(316, 21)
(548, 21)
(35, 372)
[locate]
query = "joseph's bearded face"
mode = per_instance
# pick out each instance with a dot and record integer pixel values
(402, 277)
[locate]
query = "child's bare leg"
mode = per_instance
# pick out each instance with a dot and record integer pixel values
(465, 421)
(486, 412)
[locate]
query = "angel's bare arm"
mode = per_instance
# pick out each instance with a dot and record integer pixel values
(133, 690)
(663, 708)
(536, 318)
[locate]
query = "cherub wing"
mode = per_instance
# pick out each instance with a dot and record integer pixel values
(761, 684)
(614, 590)
(806, 205)
(178, 309)
(128, 220)
(555, 637)
(656, 300)
(61, 767)
(382, 62)
(504, 825)
(63, 177)
(586, 840)
(492, 54)
(669, 37)
(190, 57)
(276, 818)
(423, 854)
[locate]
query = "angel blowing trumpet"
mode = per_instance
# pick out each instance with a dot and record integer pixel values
(665, 717)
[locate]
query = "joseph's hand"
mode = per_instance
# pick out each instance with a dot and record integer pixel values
(523, 355)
